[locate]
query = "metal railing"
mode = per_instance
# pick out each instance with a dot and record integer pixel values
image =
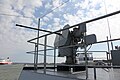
(56, 32)
(100, 66)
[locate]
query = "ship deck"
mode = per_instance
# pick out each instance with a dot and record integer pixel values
(16, 72)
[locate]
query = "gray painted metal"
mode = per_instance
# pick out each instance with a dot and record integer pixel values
(65, 51)
(115, 54)
(64, 39)
(86, 61)
(81, 29)
(54, 58)
(90, 39)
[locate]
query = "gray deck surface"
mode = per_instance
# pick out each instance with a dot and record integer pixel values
(10, 72)
(15, 72)
(102, 74)
(31, 75)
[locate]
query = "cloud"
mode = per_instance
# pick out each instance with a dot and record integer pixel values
(56, 22)
(48, 6)
(112, 5)
(46, 19)
(13, 39)
(87, 10)
(50, 15)
(99, 28)
(56, 3)
(92, 10)
(114, 26)
(72, 19)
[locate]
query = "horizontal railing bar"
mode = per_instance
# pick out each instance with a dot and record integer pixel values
(53, 49)
(92, 51)
(42, 44)
(107, 41)
(93, 43)
(38, 29)
(43, 55)
(76, 45)
(38, 51)
(102, 66)
(104, 16)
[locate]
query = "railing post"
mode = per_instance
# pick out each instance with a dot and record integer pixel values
(45, 42)
(94, 73)
(35, 67)
(37, 46)
(54, 58)
(86, 61)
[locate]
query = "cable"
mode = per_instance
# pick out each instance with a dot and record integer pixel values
(32, 17)
(14, 15)
(54, 9)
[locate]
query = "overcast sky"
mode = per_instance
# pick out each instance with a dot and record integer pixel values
(13, 39)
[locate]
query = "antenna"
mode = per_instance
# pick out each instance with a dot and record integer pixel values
(108, 24)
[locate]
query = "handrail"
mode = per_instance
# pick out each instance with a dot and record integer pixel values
(101, 17)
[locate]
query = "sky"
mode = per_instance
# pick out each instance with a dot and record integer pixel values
(13, 39)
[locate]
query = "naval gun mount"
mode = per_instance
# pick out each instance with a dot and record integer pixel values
(75, 37)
